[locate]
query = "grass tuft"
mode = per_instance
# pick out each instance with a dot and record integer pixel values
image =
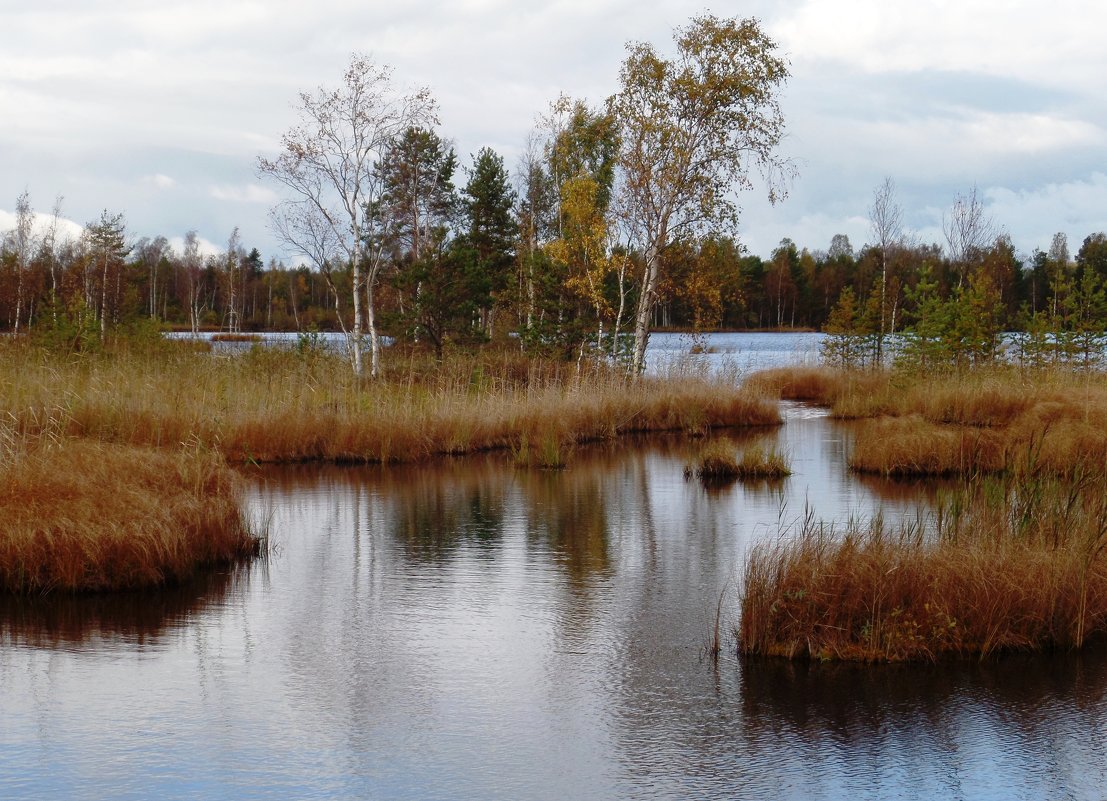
(912, 446)
(717, 463)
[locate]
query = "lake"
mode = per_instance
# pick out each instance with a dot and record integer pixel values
(739, 353)
(468, 630)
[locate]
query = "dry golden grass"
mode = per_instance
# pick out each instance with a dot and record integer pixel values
(1016, 564)
(758, 462)
(717, 462)
(271, 406)
(912, 446)
(981, 397)
(983, 420)
(984, 397)
(86, 516)
(820, 385)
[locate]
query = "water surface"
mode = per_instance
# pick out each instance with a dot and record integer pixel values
(465, 629)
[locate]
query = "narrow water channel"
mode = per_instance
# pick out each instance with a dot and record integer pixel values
(469, 630)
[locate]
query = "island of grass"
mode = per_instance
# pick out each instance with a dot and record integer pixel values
(718, 463)
(1014, 558)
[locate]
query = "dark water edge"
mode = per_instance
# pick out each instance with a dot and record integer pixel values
(81, 621)
(466, 629)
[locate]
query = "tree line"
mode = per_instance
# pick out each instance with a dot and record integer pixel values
(484, 260)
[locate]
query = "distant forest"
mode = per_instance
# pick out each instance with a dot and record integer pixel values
(105, 279)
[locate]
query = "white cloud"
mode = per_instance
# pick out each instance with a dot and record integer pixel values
(938, 94)
(206, 246)
(1057, 43)
(1034, 214)
(965, 143)
(159, 181)
(43, 223)
(250, 193)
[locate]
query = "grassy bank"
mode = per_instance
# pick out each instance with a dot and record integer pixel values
(85, 516)
(1016, 563)
(274, 406)
(986, 420)
(1013, 559)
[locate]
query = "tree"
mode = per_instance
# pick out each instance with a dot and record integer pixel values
(21, 243)
(960, 331)
(416, 209)
(1059, 268)
(232, 272)
(151, 253)
(329, 163)
(968, 231)
(492, 230)
(886, 221)
(691, 129)
(707, 281)
(192, 272)
(583, 248)
(107, 248)
(780, 285)
(537, 213)
(1093, 254)
(418, 199)
(845, 342)
(584, 142)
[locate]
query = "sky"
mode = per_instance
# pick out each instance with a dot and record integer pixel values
(160, 110)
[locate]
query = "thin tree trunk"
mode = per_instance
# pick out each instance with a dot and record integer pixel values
(645, 308)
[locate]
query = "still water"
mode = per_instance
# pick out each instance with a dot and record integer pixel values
(467, 630)
(739, 353)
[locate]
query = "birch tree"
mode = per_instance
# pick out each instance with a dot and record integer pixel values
(968, 231)
(192, 270)
(21, 243)
(328, 162)
(105, 241)
(886, 222)
(692, 129)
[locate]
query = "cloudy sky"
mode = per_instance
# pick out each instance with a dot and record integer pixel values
(159, 110)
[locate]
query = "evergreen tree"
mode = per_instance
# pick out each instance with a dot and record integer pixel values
(417, 208)
(492, 232)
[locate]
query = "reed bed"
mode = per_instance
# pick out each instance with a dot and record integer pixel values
(985, 420)
(718, 462)
(78, 515)
(1006, 564)
(819, 385)
(995, 396)
(272, 406)
(912, 446)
